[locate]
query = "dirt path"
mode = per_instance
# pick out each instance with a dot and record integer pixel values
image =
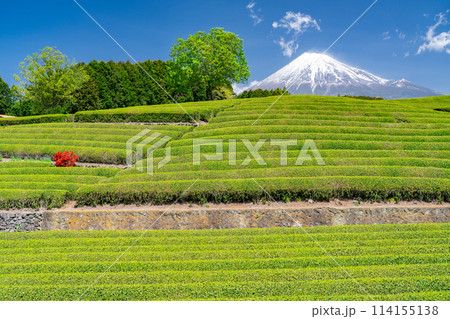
(198, 123)
(335, 204)
(70, 206)
(81, 164)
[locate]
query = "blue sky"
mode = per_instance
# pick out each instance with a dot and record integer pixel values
(395, 39)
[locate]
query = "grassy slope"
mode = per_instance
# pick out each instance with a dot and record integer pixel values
(183, 112)
(92, 142)
(36, 184)
(52, 118)
(391, 262)
(373, 150)
(188, 112)
(37, 136)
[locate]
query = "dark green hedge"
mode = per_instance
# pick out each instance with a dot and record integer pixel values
(19, 199)
(114, 117)
(52, 118)
(169, 113)
(279, 189)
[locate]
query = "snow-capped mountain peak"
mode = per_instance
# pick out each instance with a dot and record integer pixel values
(315, 73)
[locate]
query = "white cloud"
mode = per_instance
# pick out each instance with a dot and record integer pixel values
(400, 34)
(386, 35)
(239, 88)
(437, 42)
(288, 47)
(297, 23)
(406, 54)
(256, 18)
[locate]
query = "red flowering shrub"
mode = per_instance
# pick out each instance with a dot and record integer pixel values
(66, 159)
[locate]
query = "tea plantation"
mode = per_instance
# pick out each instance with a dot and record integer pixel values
(372, 150)
(377, 151)
(387, 262)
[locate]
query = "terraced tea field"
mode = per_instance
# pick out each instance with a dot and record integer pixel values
(36, 184)
(184, 112)
(372, 150)
(388, 262)
(97, 143)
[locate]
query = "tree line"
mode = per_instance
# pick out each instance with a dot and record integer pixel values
(202, 67)
(262, 93)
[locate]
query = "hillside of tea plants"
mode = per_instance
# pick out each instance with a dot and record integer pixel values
(381, 262)
(381, 150)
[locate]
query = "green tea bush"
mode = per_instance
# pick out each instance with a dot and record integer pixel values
(375, 150)
(185, 112)
(389, 262)
(35, 119)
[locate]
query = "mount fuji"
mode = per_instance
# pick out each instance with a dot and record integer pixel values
(317, 74)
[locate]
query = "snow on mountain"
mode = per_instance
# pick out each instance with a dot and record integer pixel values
(317, 74)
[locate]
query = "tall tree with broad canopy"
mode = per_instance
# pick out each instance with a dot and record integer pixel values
(48, 80)
(6, 97)
(215, 59)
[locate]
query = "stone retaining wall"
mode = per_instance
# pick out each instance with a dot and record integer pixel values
(215, 219)
(30, 221)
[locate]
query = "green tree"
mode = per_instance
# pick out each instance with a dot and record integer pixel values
(215, 59)
(6, 97)
(223, 93)
(21, 108)
(262, 93)
(48, 80)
